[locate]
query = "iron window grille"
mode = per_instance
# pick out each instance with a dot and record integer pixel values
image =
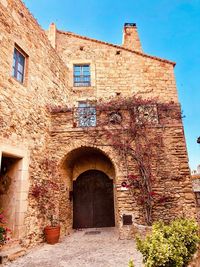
(146, 114)
(86, 115)
(82, 75)
(18, 67)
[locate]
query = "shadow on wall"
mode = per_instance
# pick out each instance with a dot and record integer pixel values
(9, 188)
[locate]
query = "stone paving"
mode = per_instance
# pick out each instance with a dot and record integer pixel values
(83, 249)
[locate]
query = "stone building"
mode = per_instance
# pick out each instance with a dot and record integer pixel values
(196, 189)
(48, 81)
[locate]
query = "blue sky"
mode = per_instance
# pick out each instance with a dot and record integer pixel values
(169, 29)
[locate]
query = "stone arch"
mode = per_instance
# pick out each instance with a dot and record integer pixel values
(75, 151)
(70, 172)
(85, 158)
(78, 160)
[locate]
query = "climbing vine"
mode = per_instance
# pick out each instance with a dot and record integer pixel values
(133, 127)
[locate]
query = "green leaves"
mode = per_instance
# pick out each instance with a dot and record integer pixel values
(170, 245)
(2, 234)
(131, 264)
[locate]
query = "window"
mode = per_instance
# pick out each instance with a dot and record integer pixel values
(86, 114)
(18, 68)
(82, 75)
(197, 195)
(146, 114)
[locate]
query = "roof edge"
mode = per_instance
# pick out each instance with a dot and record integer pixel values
(117, 46)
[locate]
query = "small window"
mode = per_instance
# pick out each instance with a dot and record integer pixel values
(82, 75)
(18, 68)
(146, 114)
(197, 195)
(86, 115)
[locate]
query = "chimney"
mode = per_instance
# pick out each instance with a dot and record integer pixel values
(131, 38)
(51, 33)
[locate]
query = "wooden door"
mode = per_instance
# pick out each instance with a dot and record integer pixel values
(93, 204)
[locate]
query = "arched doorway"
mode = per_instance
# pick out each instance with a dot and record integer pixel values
(93, 203)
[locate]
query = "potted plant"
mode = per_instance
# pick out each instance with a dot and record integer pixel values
(52, 231)
(44, 192)
(4, 231)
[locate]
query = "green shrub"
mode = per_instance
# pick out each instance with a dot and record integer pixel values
(131, 264)
(170, 245)
(4, 231)
(2, 235)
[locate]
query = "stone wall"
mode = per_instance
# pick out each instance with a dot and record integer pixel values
(196, 190)
(51, 147)
(171, 173)
(115, 69)
(24, 121)
(119, 70)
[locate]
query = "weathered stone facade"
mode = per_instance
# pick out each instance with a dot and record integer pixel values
(196, 190)
(32, 135)
(24, 120)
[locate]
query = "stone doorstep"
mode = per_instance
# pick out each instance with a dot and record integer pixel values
(10, 244)
(11, 253)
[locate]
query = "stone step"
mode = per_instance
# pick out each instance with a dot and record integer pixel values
(11, 253)
(9, 244)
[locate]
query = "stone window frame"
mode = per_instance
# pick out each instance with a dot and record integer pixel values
(22, 189)
(82, 80)
(70, 66)
(22, 53)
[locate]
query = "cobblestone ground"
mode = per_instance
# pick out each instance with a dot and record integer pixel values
(83, 249)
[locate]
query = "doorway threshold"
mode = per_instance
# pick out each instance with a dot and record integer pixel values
(93, 232)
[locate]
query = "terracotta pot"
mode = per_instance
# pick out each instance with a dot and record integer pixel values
(52, 234)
